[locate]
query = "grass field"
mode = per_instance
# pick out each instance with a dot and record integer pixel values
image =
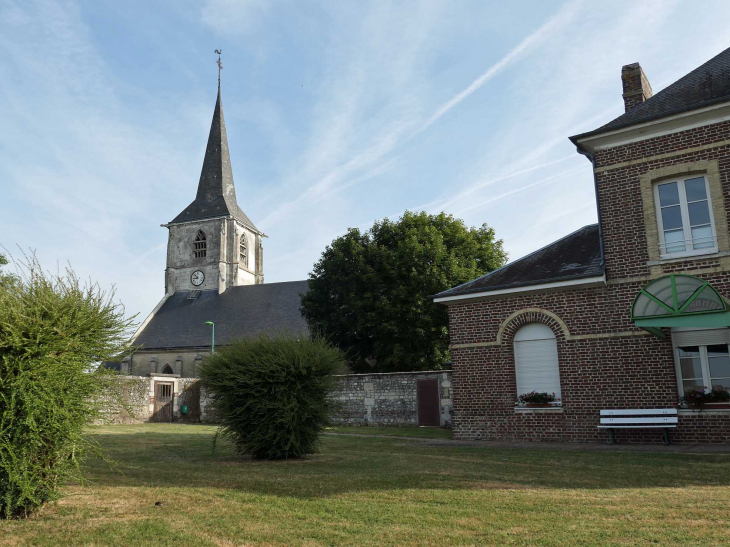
(380, 491)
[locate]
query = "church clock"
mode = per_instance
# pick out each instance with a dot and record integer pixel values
(197, 278)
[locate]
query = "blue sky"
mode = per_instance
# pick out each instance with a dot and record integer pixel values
(338, 114)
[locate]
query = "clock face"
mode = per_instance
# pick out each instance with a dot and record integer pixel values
(197, 278)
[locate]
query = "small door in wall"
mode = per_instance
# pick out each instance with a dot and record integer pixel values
(164, 393)
(429, 408)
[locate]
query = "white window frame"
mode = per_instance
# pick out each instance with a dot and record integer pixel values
(686, 228)
(704, 360)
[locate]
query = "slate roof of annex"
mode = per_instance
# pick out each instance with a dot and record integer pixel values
(704, 86)
(246, 310)
(576, 256)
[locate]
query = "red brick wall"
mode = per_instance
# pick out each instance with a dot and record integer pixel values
(598, 373)
(626, 370)
(619, 194)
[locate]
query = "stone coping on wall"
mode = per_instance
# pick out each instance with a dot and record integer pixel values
(393, 373)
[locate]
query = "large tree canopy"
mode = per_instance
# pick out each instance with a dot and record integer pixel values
(369, 293)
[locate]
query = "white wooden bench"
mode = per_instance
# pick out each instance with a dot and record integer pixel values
(657, 418)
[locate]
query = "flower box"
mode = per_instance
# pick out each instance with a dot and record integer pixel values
(536, 399)
(699, 399)
(709, 406)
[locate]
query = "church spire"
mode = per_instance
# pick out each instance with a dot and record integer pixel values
(216, 193)
(216, 178)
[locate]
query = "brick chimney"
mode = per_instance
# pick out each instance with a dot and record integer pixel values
(636, 85)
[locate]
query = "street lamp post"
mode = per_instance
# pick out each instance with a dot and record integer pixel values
(212, 346)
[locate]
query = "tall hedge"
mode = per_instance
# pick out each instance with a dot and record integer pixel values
(53, 329)
(272, 393)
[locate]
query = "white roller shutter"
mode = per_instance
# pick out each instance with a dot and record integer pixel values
(536, 361)
(700, 337)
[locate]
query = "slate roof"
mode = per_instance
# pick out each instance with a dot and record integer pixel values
(575, 256)
(704, 86)
(216, 192)
(246, 310)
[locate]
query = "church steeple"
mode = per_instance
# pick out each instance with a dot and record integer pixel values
(216, 195)
(212, 244)
(216, 178)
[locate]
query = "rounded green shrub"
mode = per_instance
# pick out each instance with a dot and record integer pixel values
(53, 329)
(271, 393)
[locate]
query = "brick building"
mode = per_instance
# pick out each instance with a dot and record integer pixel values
(628, 313)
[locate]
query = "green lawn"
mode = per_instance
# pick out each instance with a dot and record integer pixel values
(381, 491)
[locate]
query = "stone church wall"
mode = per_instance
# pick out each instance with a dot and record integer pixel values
(362, 399)
(180, 260)
(222, 265)
(184, 364)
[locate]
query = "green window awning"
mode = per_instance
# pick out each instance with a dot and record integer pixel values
(679, 300)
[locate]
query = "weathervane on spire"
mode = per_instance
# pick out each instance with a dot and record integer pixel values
(220, 65)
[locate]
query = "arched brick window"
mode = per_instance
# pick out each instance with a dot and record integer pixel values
(200, 245)
(243, 252)
(167, 369)
(536, 360)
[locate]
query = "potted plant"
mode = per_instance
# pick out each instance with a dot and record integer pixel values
(699, 398)
(536, 399)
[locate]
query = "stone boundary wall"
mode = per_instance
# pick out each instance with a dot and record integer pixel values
(387, 398)
(135, 393)
(362, 399)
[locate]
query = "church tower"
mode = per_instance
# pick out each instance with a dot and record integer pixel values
(212, 244)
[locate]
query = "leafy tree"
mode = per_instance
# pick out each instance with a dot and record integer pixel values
(271, 394)
(369, 292)
(53, 329)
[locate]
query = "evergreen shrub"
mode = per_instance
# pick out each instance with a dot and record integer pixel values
(271, 393)
(53, 329)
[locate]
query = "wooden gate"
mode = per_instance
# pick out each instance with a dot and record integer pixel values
(429, 409)
(164, 393)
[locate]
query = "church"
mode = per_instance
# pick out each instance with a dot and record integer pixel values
(214, 279)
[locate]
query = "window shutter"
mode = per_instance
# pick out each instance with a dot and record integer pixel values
(536, 364)
(700, 337)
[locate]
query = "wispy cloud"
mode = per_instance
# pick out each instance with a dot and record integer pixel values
(556, 23)
(337, 113)
(503, 195)
(480, 185)
(234, 17)
(396, 132)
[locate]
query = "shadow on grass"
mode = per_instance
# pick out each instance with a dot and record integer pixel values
(157, 457)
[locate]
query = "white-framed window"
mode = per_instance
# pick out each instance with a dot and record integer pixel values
(702, 358)
(536, 360)
(684, 215)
